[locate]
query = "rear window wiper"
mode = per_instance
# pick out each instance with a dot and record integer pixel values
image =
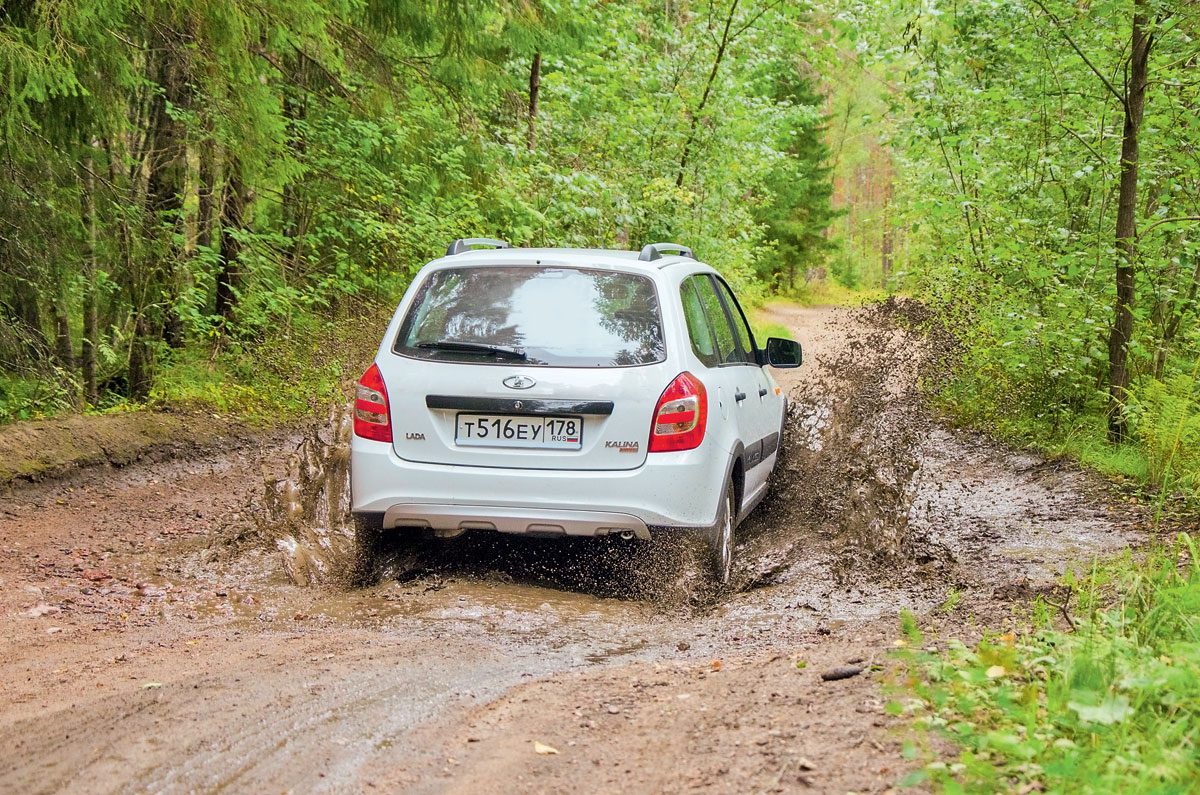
(475, 347)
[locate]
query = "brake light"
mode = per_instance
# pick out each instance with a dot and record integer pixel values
(372, 420)
(680, 416)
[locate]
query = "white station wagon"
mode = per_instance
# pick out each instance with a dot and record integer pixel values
(567, 392)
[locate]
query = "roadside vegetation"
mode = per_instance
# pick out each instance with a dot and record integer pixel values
(1101, 694)
(1048, 189)
(192, 190)
(1047, 197)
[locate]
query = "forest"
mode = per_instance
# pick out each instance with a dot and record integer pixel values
(187, 182)
(214, 205)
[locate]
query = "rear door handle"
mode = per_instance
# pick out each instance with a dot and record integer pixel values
(739, 396)
(762, 392)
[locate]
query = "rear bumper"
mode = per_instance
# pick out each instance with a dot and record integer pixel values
(670, 489)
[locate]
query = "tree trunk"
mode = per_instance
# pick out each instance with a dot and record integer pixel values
(166, 175)
(206, 190)
(87, 216)
(294, 207)
(535, 87)
(28, 312)
(141, 359)
(1122, 327)
(232, 218)
(122, 185)
(64, 348)
(1171, 320)
(693, 128)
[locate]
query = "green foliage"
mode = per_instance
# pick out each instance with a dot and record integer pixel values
(1007, 145)
(1168, 425)
(796, 205)
(205, 178)
(24, 398)
(288, 376)
(1113, 706)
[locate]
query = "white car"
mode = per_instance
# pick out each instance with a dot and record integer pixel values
(567, 392)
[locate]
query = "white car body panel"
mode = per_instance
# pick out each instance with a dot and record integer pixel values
(424, 479)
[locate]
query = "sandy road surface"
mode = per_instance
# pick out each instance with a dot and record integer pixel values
(154, 639)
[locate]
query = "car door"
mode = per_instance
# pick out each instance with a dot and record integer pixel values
(759, 407)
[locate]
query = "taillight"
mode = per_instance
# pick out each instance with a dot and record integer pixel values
(680, 416)
(371, 417)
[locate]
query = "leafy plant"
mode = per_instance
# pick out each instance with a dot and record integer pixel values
(1110, 705)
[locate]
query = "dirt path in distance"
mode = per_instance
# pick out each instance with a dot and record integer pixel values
(154, 637)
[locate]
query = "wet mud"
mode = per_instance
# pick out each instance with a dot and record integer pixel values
(171, 604)
(873, 504)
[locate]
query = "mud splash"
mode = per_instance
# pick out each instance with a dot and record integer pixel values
(306, 515)
(307, 511)
(843, 487)
(852, 450)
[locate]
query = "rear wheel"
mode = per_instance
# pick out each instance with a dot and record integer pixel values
(721, 537)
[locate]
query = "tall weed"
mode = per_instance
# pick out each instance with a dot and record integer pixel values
(1167, 417)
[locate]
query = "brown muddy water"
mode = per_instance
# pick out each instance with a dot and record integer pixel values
(874, 507)
(198, 624)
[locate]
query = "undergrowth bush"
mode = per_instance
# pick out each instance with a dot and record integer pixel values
(25, 398)
(288, 375)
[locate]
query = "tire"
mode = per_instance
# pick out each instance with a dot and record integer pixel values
(368, 534)
(720, 538)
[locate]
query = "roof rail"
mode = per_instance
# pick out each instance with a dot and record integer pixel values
(467, 243)
(653, 251)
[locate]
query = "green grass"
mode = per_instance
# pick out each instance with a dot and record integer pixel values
(829, 292)
(30, 398)
(293, 375)
(763, 330)
(1111, 706)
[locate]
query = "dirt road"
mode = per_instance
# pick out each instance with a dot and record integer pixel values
(155, 636)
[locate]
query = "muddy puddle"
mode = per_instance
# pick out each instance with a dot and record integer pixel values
(873, 508)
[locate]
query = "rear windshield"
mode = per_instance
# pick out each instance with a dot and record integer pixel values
(549, 316)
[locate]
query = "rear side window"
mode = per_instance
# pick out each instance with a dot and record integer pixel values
(534, 315)
(699, 330)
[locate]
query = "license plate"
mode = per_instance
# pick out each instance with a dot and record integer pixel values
(506, 430)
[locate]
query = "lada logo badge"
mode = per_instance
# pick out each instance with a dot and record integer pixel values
(518, 382)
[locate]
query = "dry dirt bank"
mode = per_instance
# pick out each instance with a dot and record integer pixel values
(154, 636)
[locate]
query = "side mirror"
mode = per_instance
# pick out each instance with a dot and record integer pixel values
(784, 353)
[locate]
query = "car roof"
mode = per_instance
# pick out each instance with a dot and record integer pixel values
(580, 257)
